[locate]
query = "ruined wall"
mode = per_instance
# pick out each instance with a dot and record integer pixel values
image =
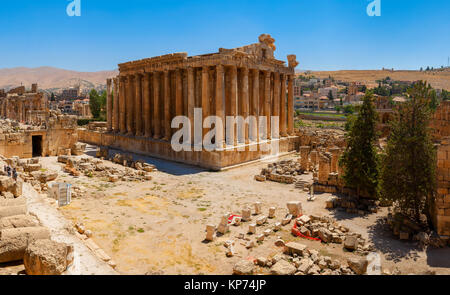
(441, 127)
(215, 160)
(59, 137)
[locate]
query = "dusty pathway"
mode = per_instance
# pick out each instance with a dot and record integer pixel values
(85, 263)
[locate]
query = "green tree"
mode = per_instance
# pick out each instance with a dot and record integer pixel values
(330, 95)
(408, 167)
(94, 103)
(360, 161)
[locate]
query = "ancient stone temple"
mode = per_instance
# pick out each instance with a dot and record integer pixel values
(22, 106)
(242, 82)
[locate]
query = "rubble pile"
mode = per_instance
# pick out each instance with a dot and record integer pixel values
(91, 167)
(406, 229)
(322, 139)
(260, 226)
(329, 231)
(297, 259)
(284, 172)
(352, 204)
(31, 171)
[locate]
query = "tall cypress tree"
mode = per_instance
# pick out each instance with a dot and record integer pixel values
(408, 170)
(359, 161)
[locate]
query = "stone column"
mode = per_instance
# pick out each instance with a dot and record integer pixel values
(156, 101)
(255, 106)
(115, 117)
(205, 97)
(129, 104)
(276, 104)
(220, 103)
(233, 106)
(138, 105)
(167, 121)
(290, 108)
(245, 102)
(191, 101)
(122, 105)
(178, 92)
(334, 159)
(146, 105)
(108, 105)
(283, 106)
(324, 168)
(304, 162)
(267, 102)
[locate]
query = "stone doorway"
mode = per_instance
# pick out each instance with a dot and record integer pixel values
(37, 145)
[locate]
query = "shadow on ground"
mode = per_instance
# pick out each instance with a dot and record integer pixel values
(385, 242)
(165, 166)
(438, 257)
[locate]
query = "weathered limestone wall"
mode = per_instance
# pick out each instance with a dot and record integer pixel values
(215, 160)
(441, 126)
(59, 136)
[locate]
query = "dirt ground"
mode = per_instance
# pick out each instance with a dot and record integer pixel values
(158, 226)
(437, 79)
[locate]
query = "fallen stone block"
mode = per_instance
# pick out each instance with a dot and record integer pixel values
(286, 220)
(13, 202)
(14, 241)
(17, 221)
(261, 220)
(243, 267)
(283, 267)
(46, 257)
(13, 210)
(358, 265)
(260, 178)
(292, 248)
(350, 242)
(295, 208)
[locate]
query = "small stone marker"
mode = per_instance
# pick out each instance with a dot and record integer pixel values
(257, 208)
(295, 208)
(252, 228)
(272, 212)
(261, 220)
(210, 229)
(287, 220)
(246, 214)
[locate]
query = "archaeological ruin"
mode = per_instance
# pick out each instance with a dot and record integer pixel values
(247, 81)
(24, 106)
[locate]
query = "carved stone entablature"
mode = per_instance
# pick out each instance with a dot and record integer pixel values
(292, 61)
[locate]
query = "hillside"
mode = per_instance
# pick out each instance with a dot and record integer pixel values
(437, 79)
(52, 78)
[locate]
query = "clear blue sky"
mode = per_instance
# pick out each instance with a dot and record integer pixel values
(325, 34)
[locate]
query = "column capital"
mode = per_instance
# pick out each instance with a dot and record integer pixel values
(219, 68)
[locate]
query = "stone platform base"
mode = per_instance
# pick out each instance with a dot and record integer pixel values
(214, 160)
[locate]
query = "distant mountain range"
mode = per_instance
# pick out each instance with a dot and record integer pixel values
(52, 79)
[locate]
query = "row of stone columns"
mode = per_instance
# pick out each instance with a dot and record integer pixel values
(129, 108)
